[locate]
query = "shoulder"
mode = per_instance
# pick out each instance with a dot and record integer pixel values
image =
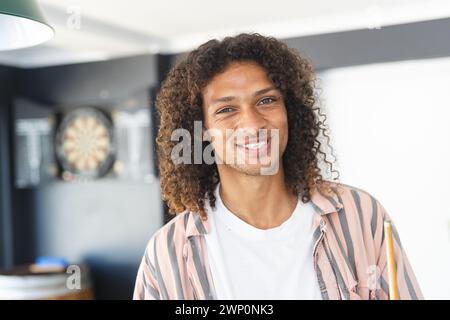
(176, 224)
(171, 236)
(358, 197)
(360, 206)
(164, 249)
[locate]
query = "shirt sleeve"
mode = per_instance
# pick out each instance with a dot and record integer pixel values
(408, 287)
(146, 286)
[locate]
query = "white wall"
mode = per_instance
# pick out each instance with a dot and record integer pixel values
(390, 124)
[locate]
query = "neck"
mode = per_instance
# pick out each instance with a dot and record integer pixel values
(262, 201)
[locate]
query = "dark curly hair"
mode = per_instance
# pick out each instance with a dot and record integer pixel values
(179, 102)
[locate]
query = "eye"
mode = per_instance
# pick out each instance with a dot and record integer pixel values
(266, 100)
(225, 110)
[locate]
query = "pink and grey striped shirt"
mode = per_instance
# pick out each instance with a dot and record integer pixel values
(349, 253)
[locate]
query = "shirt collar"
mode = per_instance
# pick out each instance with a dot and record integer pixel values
(326, 204)
(323, 204)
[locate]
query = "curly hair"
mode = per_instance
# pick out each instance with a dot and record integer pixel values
(179, 103)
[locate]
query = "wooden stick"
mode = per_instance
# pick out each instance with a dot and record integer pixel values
(390, 253)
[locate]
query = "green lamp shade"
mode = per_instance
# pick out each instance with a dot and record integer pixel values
(22, 24)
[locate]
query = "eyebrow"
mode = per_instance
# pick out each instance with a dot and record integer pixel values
(255, 94)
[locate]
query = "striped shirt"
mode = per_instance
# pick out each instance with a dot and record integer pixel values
(349, 253)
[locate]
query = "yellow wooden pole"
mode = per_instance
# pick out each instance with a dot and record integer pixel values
(390, 253)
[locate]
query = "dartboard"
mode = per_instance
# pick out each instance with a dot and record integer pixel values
(85, 143)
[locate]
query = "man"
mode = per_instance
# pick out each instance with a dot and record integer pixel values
(258, 222)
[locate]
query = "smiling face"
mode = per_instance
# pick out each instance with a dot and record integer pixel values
(245, 115)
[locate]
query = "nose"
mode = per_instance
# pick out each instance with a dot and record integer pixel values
(251, 119)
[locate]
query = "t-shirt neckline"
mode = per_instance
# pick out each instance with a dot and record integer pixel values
(250, 232)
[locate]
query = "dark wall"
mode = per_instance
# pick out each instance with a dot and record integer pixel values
(418, 40)
(7, 89)
(88, 83)
(409, 41)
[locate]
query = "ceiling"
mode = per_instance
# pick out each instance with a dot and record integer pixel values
(89, 30)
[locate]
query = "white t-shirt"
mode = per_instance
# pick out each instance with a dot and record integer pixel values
(251, 263)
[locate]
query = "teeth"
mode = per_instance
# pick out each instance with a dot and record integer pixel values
(255, 145)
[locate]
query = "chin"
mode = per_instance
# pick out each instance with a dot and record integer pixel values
(251, 169)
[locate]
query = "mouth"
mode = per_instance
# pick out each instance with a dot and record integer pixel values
(256, 147)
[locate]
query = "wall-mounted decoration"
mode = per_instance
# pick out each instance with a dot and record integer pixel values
(33, 144)
(134, 158)
(85, 144)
